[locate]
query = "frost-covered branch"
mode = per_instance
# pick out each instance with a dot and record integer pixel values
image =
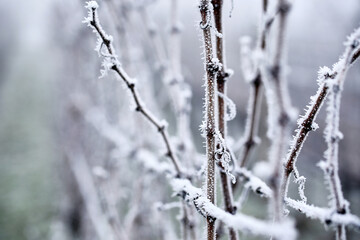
(241, 222)
(122, 25)
(253, 183)
(306, 123)
(211, 67)
(221, 78)
(111, 63)
(326, 215)
(330, 82)
(332, 133)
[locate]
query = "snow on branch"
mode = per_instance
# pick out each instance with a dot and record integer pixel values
(110, 62)
(326, 215)
(241, 222)
(253, 183)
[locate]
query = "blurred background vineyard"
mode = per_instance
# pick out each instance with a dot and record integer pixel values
(47, 58)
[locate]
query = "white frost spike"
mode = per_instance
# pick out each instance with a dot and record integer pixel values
(322, 73)
(216, 64)
(230, 112)
(202, 128)
(107, 65)
(314, 126)
(110, 59)
(92, 5)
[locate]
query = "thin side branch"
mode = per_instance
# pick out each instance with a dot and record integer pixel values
(111, 63)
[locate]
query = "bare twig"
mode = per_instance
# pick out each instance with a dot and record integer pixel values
(111, 62)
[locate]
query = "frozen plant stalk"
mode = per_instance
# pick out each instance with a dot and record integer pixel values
(221, 78)
(332, 132)
(211, 67)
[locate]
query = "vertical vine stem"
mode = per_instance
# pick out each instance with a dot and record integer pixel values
(111, 63)
(180, 104)
(211, 68)
(180, 91)
(256, 81)
(332, 132)
(221, 78)
(279, 109)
